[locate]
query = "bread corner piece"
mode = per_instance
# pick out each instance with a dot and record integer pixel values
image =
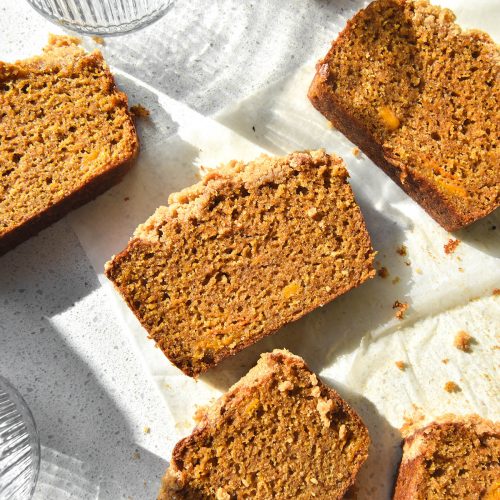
(419, 96)
(237, 256)
(65, 136)
(277, 433)
(452, 457)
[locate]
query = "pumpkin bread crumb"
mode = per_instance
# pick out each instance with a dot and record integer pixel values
(237, 256)
(65, 136)
(452, 457)
(277, 433)
(419, 96)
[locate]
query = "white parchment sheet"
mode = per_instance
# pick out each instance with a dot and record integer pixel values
(354, 342)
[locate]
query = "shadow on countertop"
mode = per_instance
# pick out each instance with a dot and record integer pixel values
(87, 442)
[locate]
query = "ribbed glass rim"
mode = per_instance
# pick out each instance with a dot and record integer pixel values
(103, 29)
(21, 405)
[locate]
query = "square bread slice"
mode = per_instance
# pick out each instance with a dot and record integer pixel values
(277, 433)
(240, 254)
(420, 97)
(65, 136)
(452, 457)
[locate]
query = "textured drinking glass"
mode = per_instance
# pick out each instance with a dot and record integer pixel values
(102, 17)
(19, 446)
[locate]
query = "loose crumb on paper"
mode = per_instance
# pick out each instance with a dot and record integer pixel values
(356, 152)
(98, 39)
(451, 386)
(496, 291)
(146, 429)
(463, 341)
(330, 125)
(401, 308)
(402, 250)
(139, 110)
(445, 361)
(451, 246)
(401, 365)
(412, 420)
(395, 280)
(383, 272)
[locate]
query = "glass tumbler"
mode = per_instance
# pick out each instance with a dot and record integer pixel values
(19, 445)
(102, 17)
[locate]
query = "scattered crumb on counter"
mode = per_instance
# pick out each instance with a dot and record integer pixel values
(136, 455)
(139, 110)
(445, 361)
(98, 39)
(451, 246)
(126, 198)
(356, 152)
(451, 386)
(407, 262)
(146, 429)
(401, 308)
(402, 250)
(463, 341)
(395, 280)
(383, 272)
(253, 128)
(401, 365)
(496, 291)
(329, 124)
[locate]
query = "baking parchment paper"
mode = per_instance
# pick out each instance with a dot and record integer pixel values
(354, 342)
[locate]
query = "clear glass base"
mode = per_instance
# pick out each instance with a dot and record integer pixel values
(19, 445)
(102, 17)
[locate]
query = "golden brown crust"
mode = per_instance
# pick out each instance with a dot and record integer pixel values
(453, 456)
(451, 211)
(48, 134)
(278, 366)
(235, 228)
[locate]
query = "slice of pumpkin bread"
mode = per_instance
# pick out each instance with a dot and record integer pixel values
(277, 433)
(420, 97)
(65, 136)
(453, 457)
(240, 254)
